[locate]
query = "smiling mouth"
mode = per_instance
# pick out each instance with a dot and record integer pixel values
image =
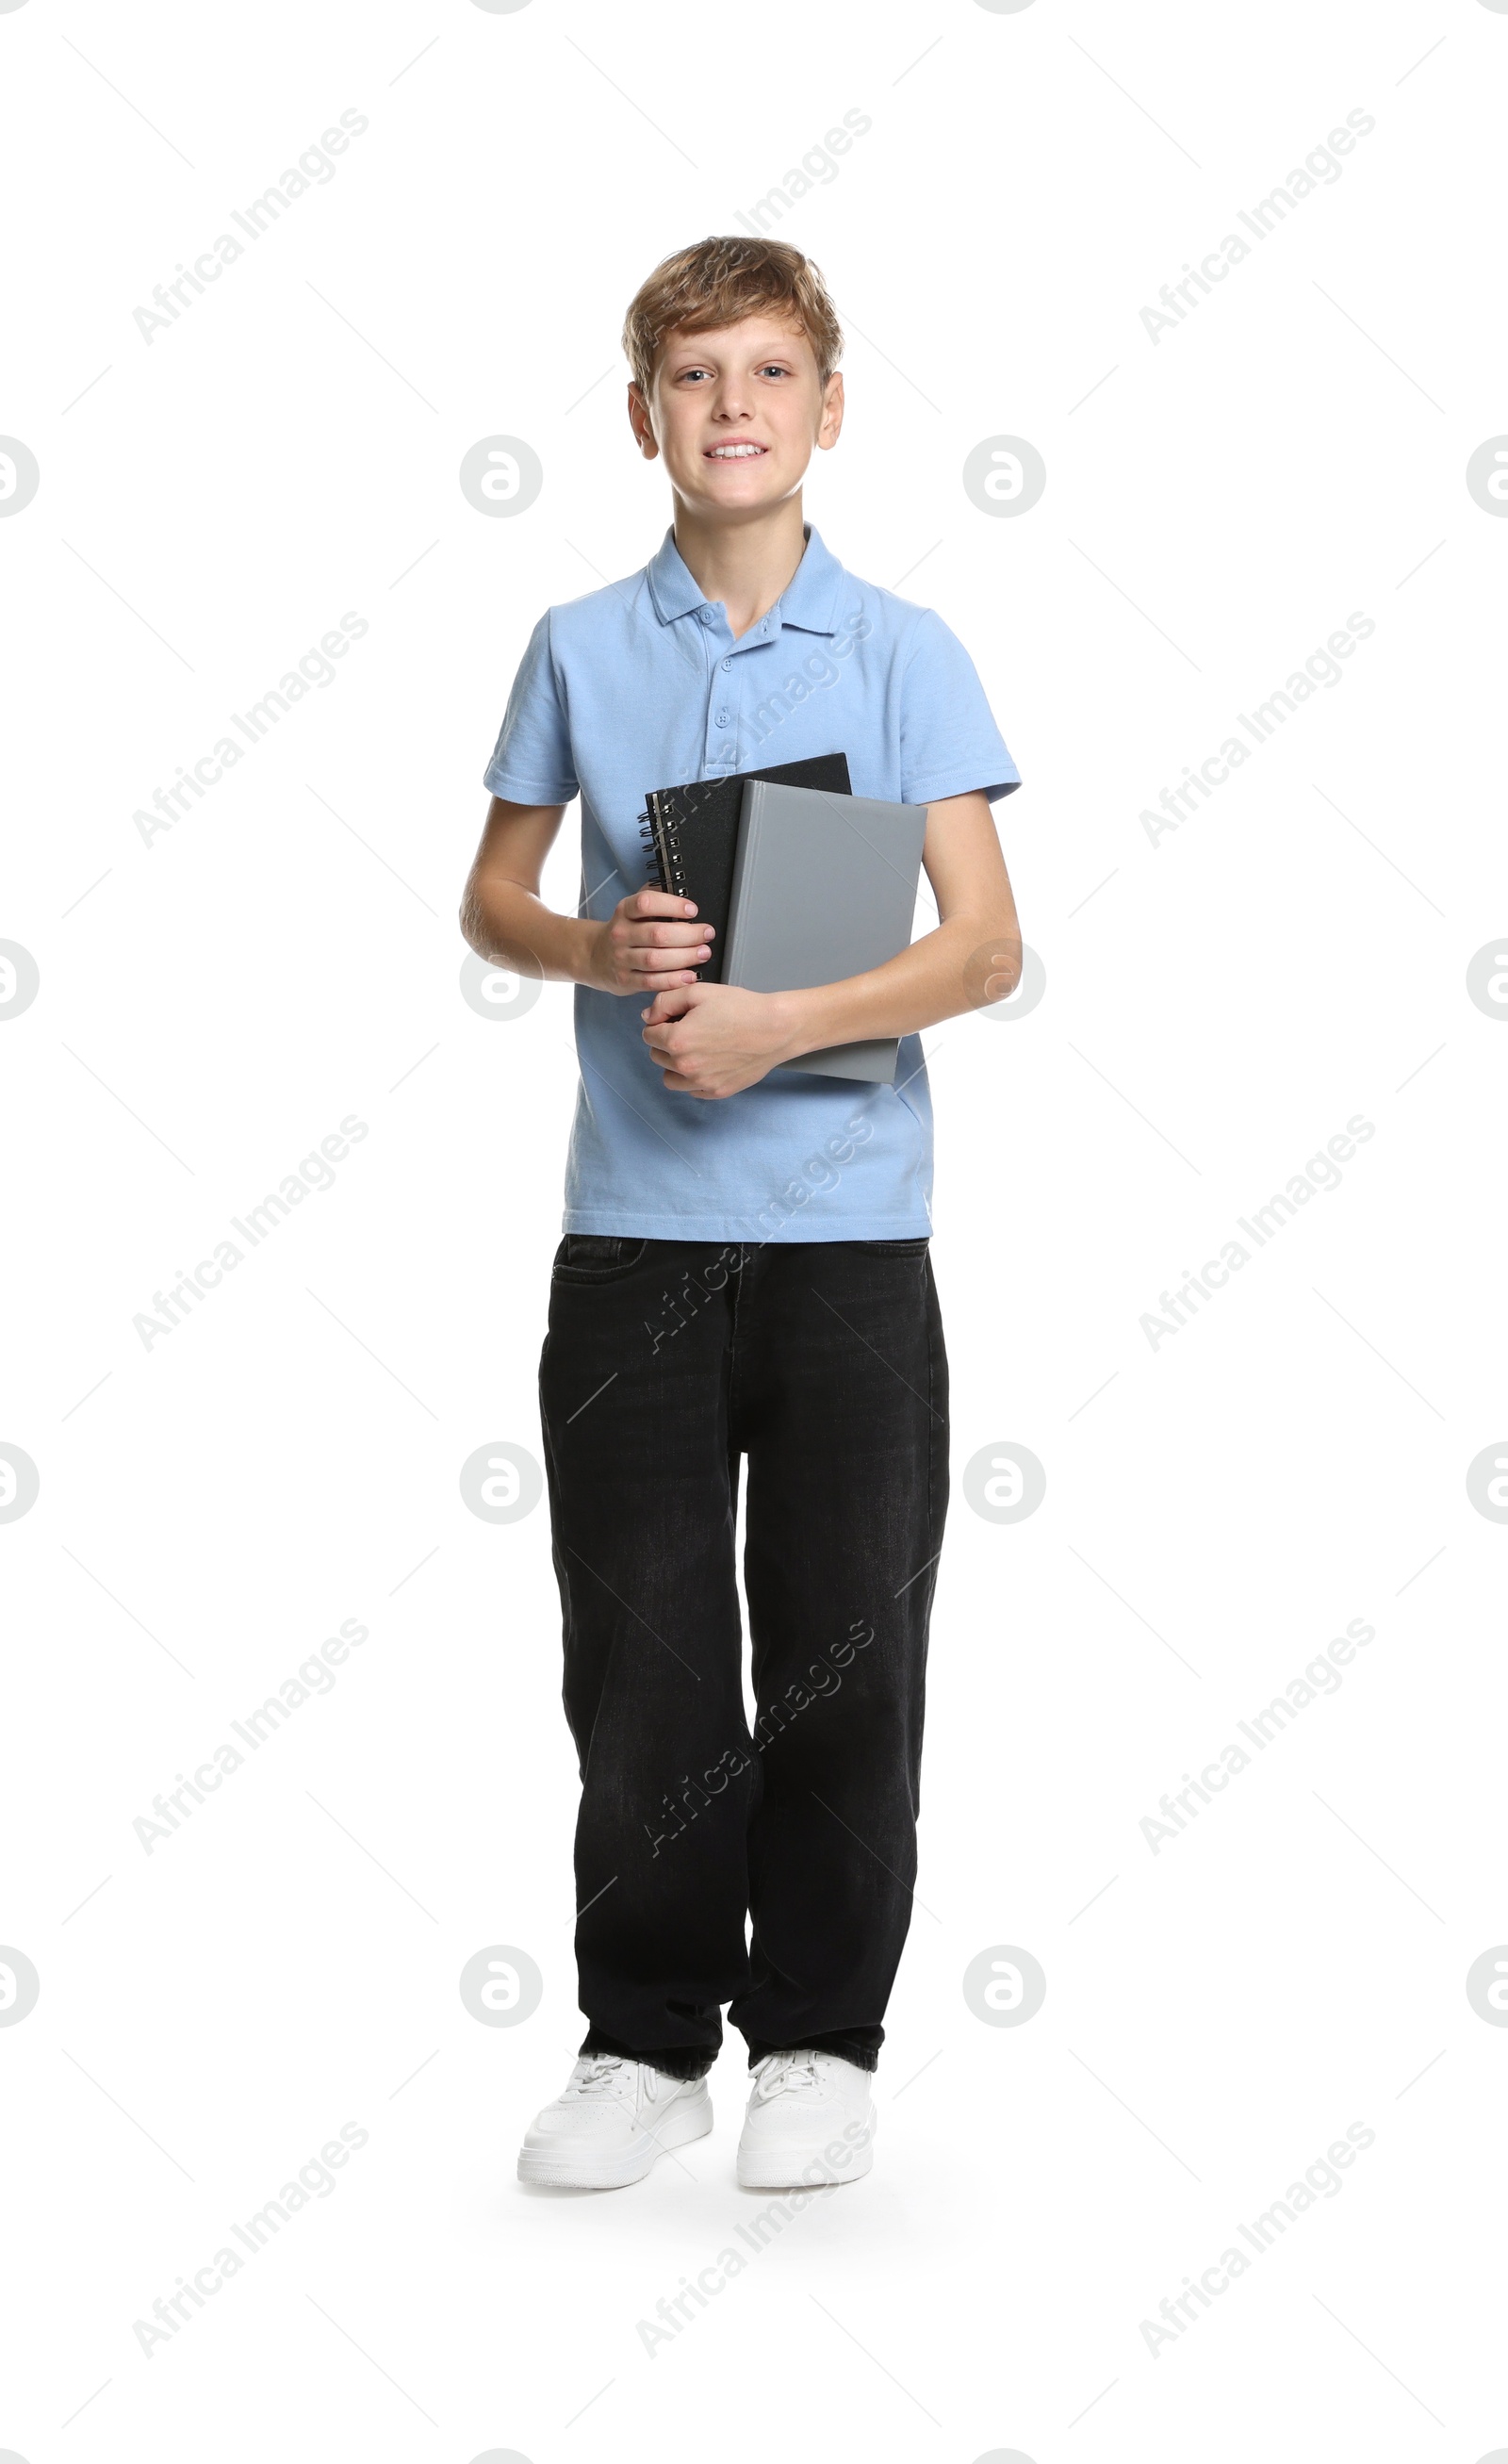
(744, 451)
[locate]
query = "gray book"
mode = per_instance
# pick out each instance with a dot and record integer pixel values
(824, 886)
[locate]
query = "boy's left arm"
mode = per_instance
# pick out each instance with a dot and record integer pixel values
(712, 1039)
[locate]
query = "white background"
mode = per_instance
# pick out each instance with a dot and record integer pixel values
(213, 1003)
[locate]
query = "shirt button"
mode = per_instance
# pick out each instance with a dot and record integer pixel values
(722, 719)
(727, 662)
(707, 616)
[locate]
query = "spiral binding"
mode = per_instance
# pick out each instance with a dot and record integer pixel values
(663, 856)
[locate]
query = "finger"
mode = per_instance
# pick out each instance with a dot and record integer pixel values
(679, 943)
(668, 936)
(669, 969)
(658, 902)
(661, 984)
(670, 1005)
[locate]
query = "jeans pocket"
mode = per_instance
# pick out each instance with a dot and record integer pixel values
(596, 1257)
(897, 1249)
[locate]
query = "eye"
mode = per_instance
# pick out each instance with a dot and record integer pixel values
(772, 369)
(692, 372)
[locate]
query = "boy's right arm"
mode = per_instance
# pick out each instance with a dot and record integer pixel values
(648, 944)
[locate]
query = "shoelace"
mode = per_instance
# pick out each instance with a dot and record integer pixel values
(778, 2072)
(601, 2074)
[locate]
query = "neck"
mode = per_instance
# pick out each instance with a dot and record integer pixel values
(746, 564)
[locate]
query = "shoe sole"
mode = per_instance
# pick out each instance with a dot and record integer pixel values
(683, 2122)
(777, 2168)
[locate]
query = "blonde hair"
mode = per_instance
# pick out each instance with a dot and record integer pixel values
(721, 282)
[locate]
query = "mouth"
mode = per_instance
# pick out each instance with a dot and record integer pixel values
(745, 450)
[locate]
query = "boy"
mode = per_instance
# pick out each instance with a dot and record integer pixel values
(745, 1266)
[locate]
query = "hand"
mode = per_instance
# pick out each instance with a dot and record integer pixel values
(712, 1039)
(648, 944)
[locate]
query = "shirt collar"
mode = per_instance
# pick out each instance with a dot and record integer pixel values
(809, 600)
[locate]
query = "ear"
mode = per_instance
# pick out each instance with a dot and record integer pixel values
(830, 427)
(639, 421)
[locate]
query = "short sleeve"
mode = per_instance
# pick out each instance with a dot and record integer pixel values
(949, 743)
(531, 762)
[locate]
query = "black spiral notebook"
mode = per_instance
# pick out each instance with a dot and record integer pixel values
(691, 836)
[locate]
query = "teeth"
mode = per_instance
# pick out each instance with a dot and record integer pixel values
(735, 452)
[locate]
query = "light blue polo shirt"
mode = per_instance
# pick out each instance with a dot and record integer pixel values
(643, 685)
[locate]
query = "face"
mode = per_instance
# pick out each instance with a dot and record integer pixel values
(736, 414)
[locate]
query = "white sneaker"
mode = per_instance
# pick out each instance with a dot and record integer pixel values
(610, 2123)
(810, 2120)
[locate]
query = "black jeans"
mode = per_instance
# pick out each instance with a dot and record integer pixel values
(823, 1362)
